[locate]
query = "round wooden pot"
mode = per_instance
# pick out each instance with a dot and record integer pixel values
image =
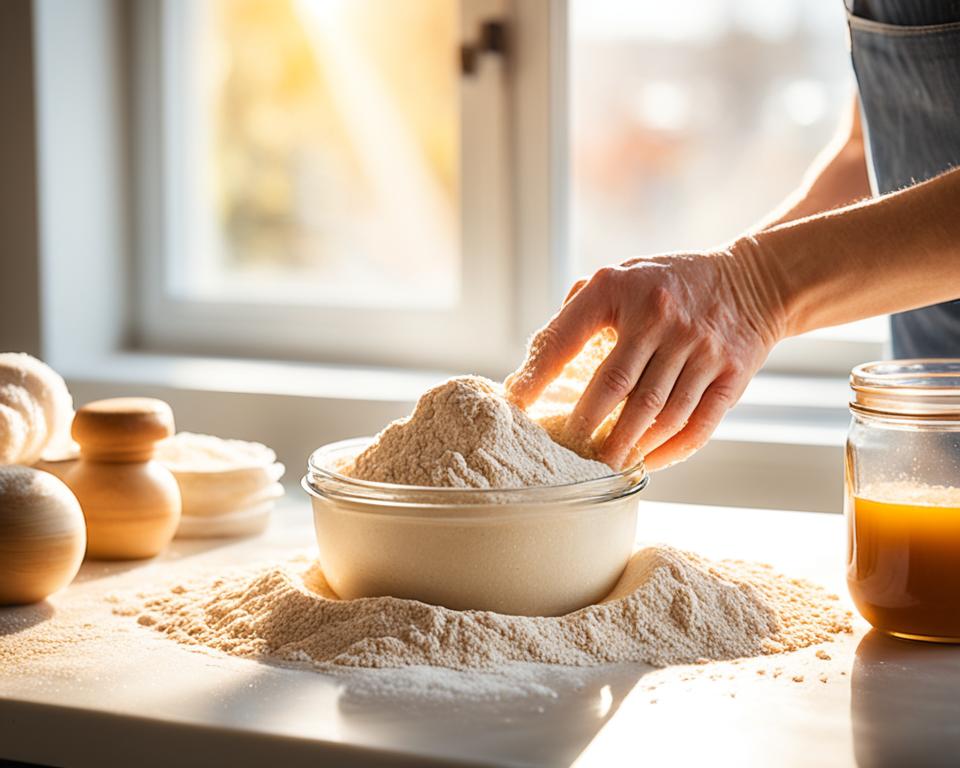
(42, 535)
(130, 501)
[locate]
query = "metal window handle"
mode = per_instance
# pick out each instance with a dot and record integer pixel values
(492, 39)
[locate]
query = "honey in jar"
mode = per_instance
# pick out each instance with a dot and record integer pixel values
(903, 497)
(903, 569)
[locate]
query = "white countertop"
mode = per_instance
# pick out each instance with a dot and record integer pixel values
(121, 694)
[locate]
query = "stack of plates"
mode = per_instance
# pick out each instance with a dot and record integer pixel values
(229, 487)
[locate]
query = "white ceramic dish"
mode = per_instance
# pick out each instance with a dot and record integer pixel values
(190, 451)
(209, 494)
(220, 476)
(245, 522)
(542, 551)
(227, 487)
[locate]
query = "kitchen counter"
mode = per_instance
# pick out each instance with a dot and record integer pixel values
(82, 686)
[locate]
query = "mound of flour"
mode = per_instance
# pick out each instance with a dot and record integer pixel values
(669, 607)
(463, 433)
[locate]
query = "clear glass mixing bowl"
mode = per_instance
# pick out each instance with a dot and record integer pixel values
(541, 551)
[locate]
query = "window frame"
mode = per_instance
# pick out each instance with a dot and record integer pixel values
(506, 132)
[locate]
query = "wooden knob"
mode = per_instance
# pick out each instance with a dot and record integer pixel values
(122, 428)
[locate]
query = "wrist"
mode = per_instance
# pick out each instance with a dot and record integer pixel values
(764, 288)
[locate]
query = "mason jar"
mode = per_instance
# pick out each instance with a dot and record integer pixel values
(902, 501)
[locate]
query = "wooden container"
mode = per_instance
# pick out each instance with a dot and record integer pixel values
(130, 501)
(42, 535)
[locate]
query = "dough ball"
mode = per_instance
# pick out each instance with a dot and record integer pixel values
(15, 396)
(13, 434)
(40, 394)
(47, 386)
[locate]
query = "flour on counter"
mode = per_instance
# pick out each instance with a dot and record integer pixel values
(670, 607)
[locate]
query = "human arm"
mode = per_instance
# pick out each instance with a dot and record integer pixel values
(694, 328)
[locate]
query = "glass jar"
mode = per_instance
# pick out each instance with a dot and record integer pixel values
(902, 477)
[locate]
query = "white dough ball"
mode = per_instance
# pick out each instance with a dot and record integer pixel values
(14, 395)
(13, 434)
(40, 395)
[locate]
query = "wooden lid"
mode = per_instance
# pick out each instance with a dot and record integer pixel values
(124, 428)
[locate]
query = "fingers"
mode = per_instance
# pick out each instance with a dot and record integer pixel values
(555, 345)
(575, 289)
(715, 402)
(698, 373)
(646, 401)
(610, 384)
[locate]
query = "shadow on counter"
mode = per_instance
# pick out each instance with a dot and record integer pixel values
(177, 550)
(905, 703)
(17, 618)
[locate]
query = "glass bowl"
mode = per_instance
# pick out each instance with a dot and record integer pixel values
(542, 551)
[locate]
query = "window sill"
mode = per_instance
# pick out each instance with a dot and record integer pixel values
(781, 447)
(257, 377)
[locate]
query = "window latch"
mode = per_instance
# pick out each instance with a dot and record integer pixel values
(492, 39)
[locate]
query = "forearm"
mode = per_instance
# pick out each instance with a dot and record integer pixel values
(888, 254)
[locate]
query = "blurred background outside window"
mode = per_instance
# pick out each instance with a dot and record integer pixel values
(693, 120)
(325, 138)
(321, 139)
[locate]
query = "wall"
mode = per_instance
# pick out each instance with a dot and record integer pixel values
(19, 238)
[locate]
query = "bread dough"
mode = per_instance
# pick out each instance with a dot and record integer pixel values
(39, 397)
(13, 434)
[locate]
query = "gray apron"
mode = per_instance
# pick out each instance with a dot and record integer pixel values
(906, 56)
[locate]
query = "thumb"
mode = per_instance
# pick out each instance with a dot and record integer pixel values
(552, 347)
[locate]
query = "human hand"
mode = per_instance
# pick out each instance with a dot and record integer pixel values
(692, 329)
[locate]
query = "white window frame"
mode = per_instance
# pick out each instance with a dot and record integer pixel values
(484, 333)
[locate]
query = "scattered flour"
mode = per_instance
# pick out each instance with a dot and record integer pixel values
(670, 607)
(463, 433)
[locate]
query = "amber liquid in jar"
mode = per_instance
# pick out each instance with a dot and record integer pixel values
(904, 559)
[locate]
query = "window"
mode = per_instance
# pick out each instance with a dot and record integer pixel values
(324, 152)
(317, 190)
(689, 127)
(321, 181)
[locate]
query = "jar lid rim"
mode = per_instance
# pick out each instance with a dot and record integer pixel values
(927, 387)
